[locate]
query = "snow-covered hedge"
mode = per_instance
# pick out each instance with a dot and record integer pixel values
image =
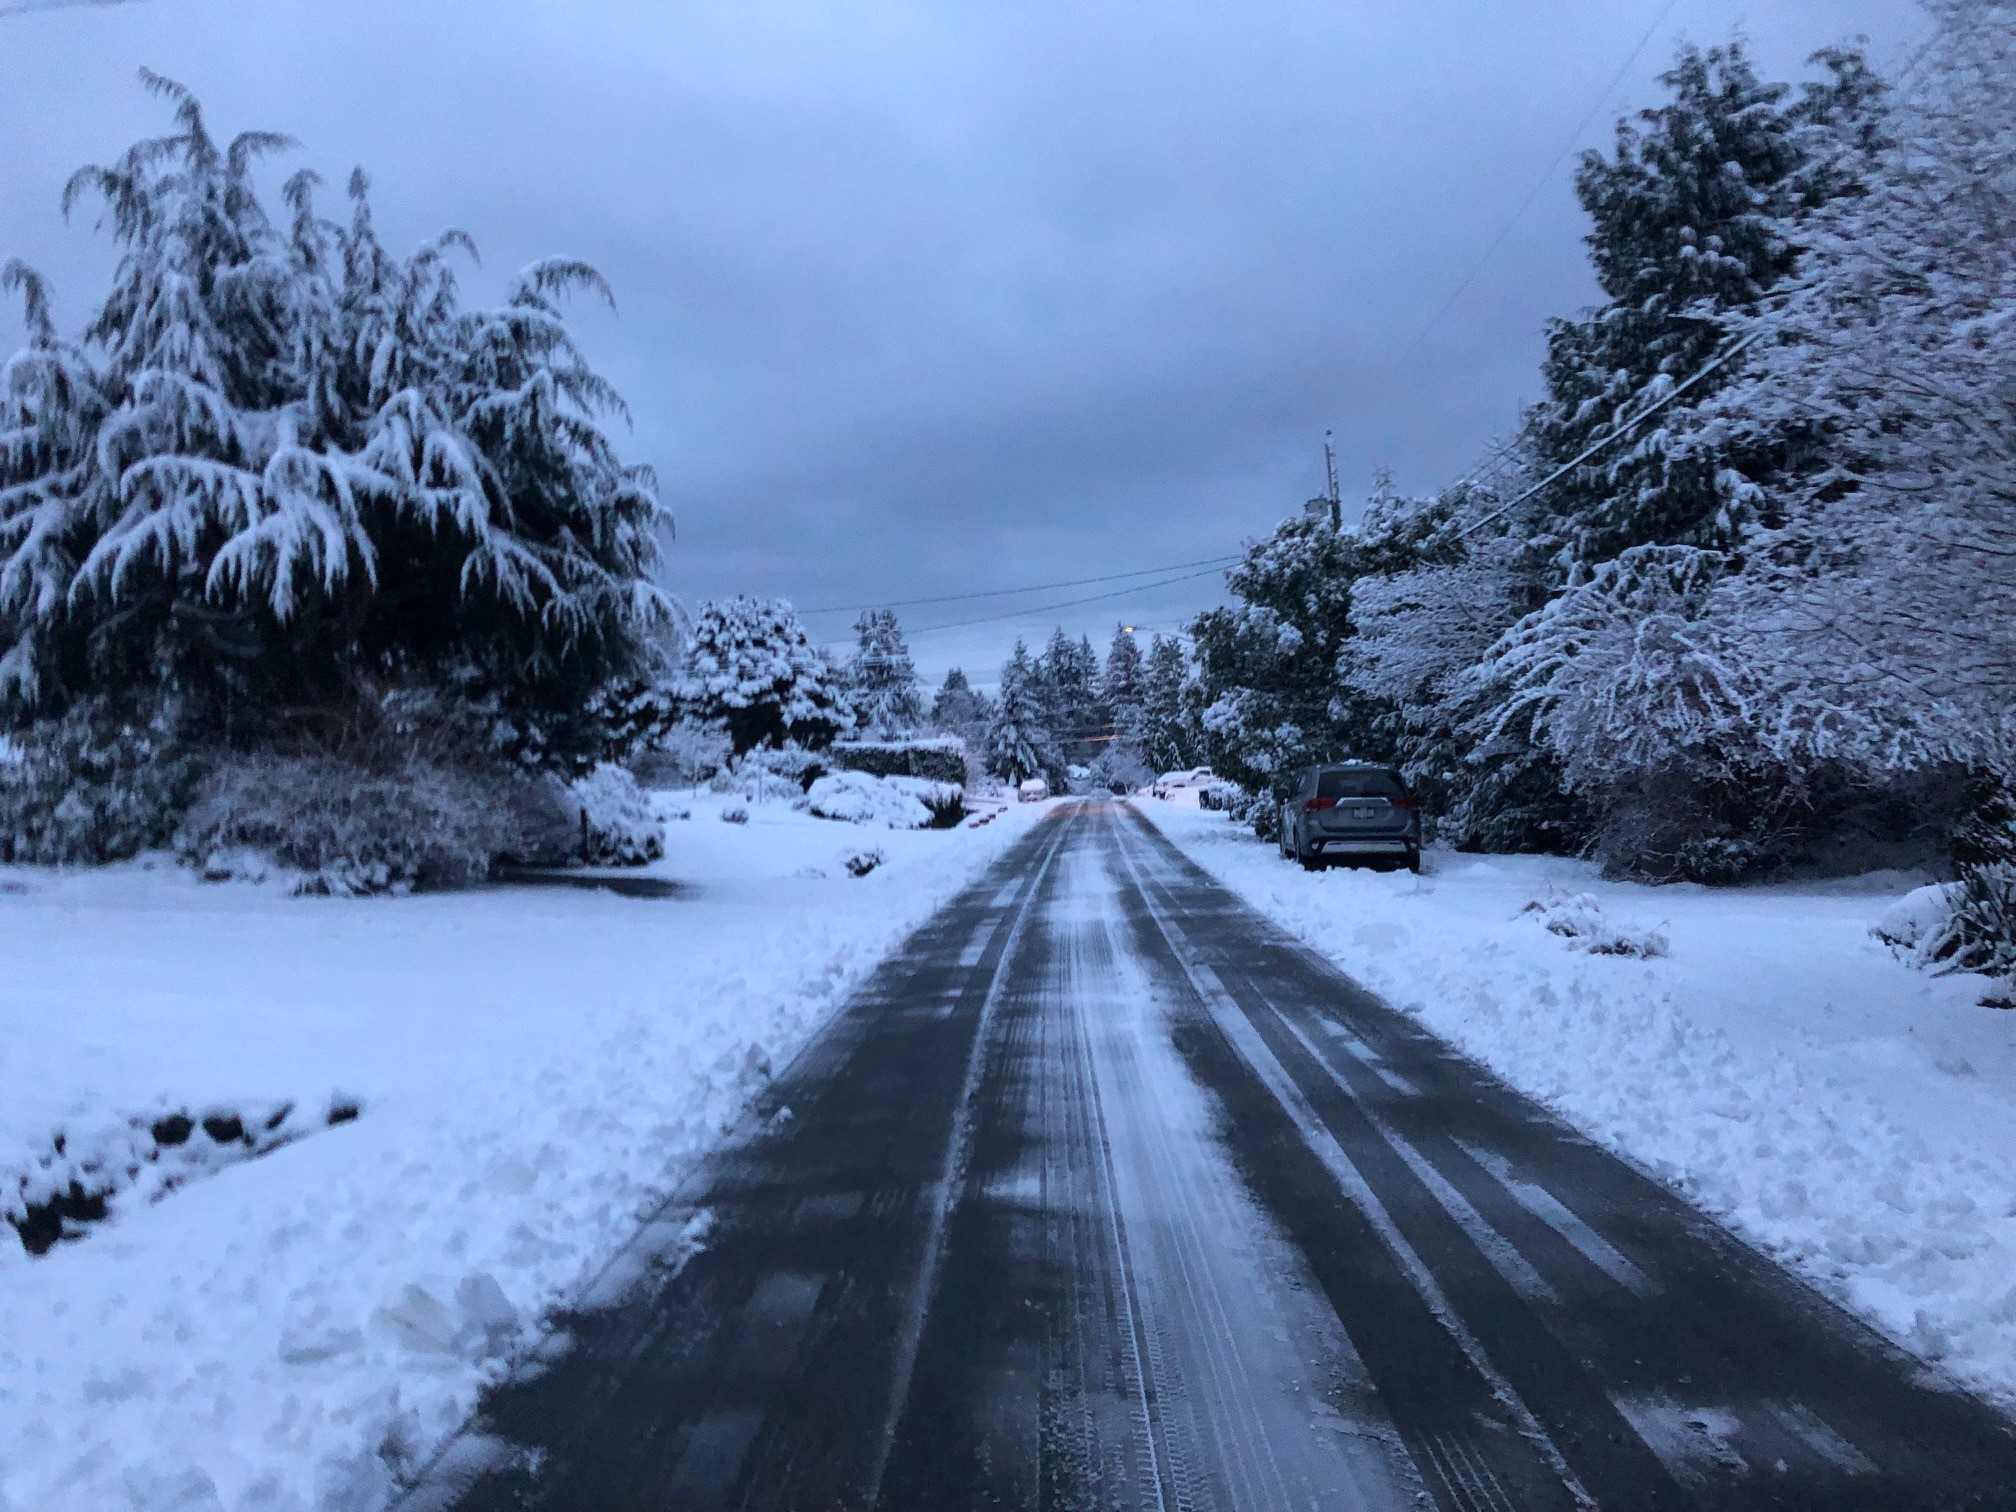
(940, 758)
(895, 802)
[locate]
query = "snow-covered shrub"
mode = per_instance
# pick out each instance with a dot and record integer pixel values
(348, 829)
(541, 821)
(945, 800)
(97, 784)
(862, 862)
(1968, 925)
(1983, 931)
(620, 829)
(856, 798)
(90, 1168)
(1684, 823)
(1258, 810)
(1920, 916)
(1579, 919)
(735, 813)
(1121, 769)
(689, 753)
(787, 770)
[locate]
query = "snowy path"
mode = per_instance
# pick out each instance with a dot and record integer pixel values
(1105, 1193)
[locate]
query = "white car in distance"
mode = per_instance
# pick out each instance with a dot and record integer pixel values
(1032, 790)
(1169, 784)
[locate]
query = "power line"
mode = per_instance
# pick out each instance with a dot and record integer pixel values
(1909, 55)
(950, 598)
(27, 7)
(1092, 598)
(1622, 428)
(1545, 179)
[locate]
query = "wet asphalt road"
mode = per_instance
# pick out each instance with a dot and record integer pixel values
(1105, 1194)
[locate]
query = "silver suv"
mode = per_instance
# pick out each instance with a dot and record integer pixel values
(1351, 811)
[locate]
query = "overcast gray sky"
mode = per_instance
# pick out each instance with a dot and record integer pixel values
(926, 299)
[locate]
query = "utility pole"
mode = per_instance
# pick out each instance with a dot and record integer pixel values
(1330, 478)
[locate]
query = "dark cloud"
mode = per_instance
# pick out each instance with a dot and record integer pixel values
(934, 298)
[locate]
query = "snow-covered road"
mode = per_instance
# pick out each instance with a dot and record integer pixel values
(535, 1068)
(1105, 1192)
(1853, 1116)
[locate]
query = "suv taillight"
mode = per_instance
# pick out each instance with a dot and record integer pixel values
(1317, 805)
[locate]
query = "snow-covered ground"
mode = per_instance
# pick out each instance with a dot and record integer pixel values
(1848, 1114)
(534, 1066)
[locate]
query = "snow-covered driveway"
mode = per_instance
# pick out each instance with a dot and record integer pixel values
(534, 1067)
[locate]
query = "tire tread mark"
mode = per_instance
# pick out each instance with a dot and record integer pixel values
(1236, 1023)
(952, 1177)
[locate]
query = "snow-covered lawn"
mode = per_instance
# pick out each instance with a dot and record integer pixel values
(534, 1066)
(1848, 1114)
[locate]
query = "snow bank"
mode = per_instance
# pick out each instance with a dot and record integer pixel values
(288, 1327)
(1851, 1115)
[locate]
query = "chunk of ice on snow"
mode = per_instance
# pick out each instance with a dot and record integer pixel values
(419, 1322)
(488, 1318)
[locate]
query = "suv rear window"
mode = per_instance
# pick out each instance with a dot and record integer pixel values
(1364, 782)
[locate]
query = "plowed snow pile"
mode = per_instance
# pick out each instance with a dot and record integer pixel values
(533, 1067)
(1768, 1056)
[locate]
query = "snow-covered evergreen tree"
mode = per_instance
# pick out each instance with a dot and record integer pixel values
(1169, 734)
(881, 679)
(1693, 215)
(1268, 665)
(1120, 681)
(1883, 587)
(960, 710)
(282, 467)
(1067, 689)
(749, 667)
(1019, 743)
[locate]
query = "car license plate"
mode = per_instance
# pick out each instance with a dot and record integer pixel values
(1364, 813)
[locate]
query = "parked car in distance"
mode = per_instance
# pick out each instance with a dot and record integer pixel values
(1032, 790)
(1355, 812)
(1170, 783)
